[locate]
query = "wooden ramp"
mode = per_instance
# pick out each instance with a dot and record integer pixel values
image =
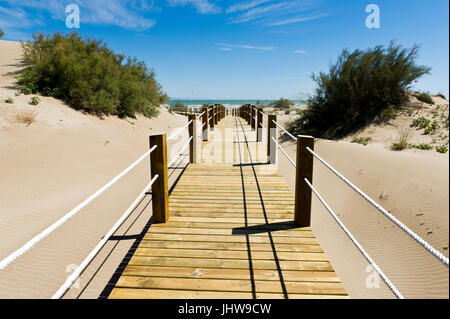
(230, 234)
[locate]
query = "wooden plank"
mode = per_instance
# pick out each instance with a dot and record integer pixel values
(327, 288)
(217, 273)
(223, 231)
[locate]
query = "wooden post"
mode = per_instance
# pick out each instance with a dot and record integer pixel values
(216, 114)
(211, 122)
(205, 123)
(193, 143)
(160, 188)
(253, 115)
(259, 125)
(271, 146)
(303, 193)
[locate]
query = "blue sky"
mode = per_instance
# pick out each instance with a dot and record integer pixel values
(256, 49)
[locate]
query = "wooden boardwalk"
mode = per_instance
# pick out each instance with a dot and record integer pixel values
(230, 234)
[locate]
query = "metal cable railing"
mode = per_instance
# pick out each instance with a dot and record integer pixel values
(289, 134)
(284, 152)
(179, 153)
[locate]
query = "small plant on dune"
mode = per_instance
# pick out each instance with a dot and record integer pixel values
(432, 128)
(362, 140)
(35, 100)
(287, 112)
(442, 149)
(9, 100)
(423, 146)
(424, 97)
(18, 93)
(26, 117)
(402, 141)
(421, 123)
(1, 33)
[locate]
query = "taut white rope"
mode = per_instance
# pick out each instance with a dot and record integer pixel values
(5, 262)
(285, 154)
(179, 153)
(402, 226)
(356, 243)
(290, 135)
(77, 272)
(179, 131)
(201, 114)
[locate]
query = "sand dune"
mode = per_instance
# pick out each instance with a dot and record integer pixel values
(49, 167)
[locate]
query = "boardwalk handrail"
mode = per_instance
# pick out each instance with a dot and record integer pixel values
(179, 131)
(79, 270)
(6, 261)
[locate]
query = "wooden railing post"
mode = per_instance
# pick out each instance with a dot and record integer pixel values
(253, 113)
(160, 188)
(272, 132)
(193, 143)
(259, 125)
(304, 170)
(205, 124)
(211, 122)
(216, 114)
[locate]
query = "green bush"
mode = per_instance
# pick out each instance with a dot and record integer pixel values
(432, 128)
(422, 146)
(388, 114)
(421, 123)
(35, 100)
(89, 76)
(442, 149)
(424, 97)
(281, 104)
(402, 141)
(362, 140)
(358, 87)
(9, 100)
(1, 33)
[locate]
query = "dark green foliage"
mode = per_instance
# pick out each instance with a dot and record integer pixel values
(424, 97)
(441, 96)
(358, 87)
(421, 123)
(362, 140)
(35, 100)
(89, 76)
(432, 128)
(9, 100)
(1, 33)
(442, 149)
(281, 104)
(422, 146)
(388, 113)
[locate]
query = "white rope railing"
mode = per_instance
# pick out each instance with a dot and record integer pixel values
(179, 153)
(402, 226)
(6, 261)
(78, 271)
(289, 134)
(200, 115)
(284, 152)
(356, 243)
(179, 131)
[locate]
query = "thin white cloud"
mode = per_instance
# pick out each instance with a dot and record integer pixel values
(275, 12)
(245, 46)
(226, 49)
(202, 6)
(245, 5)
(122, 13)
(300, 52)
(296, 20)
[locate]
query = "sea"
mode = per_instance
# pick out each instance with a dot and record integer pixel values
(230, 103)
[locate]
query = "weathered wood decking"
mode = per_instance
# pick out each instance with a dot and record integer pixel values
(230, 233)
